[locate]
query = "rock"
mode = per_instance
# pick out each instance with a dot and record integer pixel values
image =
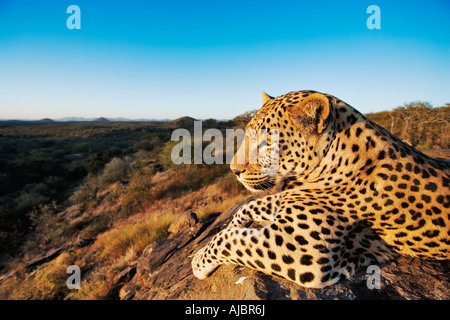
(4, 258)
(158, 252)
(52, 254)
(126, 275)
(183, 221)
(84, 243)
(91, 259)
(119, 280)
(45, 257)
(128, 292)
(164, 272)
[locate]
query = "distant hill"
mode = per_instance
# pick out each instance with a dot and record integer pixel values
(46, 120)
(82, 119)
(183, 120)
(101, 119)
(120, 119)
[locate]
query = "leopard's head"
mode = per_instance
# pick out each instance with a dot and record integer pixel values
(286, 138)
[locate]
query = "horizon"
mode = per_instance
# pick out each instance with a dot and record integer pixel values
(124, 119)
(212, 60)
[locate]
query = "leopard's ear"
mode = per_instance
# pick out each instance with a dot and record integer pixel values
(314, 109)
(265, 97)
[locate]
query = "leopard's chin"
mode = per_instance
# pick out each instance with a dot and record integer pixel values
(257, 185)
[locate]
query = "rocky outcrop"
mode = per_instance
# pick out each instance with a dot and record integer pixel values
(53, 253)
(45, 257)
(164, 272)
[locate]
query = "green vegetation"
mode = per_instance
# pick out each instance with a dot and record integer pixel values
(43, 162)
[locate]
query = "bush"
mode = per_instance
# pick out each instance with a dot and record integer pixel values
(115, 170)
(148, 144)
(140, 182)
(48, 282)
(76, 170)
(229, 183)
(28, 200)
(44, 221)
(83, 147)
(165, 156)
(54, 186)
(86, 192)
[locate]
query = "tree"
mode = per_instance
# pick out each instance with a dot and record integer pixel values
(421, 125)
(241, 120)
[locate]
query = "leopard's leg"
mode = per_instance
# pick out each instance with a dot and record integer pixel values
(263, 210)
(311, 245)
(308, 260)
(364, 247)
(207, 259)
(222, 249)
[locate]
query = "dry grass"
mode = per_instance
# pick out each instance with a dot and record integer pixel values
(135, 233)
(139, 230)
(90, 290)
(127, 239)
(46, 283)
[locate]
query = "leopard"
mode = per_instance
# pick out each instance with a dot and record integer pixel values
(346, 194)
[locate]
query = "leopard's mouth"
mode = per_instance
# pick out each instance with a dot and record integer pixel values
(261, 183)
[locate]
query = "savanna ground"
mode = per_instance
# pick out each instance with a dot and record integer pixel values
(114, 186)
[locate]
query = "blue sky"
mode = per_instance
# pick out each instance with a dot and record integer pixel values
(166, 59)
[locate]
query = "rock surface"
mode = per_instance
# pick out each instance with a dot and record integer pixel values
(164, 272)
(45, 257)
(184, 221)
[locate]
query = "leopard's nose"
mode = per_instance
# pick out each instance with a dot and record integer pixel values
(236, 171)
(237, 168)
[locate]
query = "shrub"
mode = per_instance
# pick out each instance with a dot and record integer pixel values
(86, 192)
(148, 144)
(76, 170)
(44, 221)
(90, 290)
(48, 282)
(140, 182)
(28, 200)
(228, 183)
(83, 147)
(165, 156)
(115, 170)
